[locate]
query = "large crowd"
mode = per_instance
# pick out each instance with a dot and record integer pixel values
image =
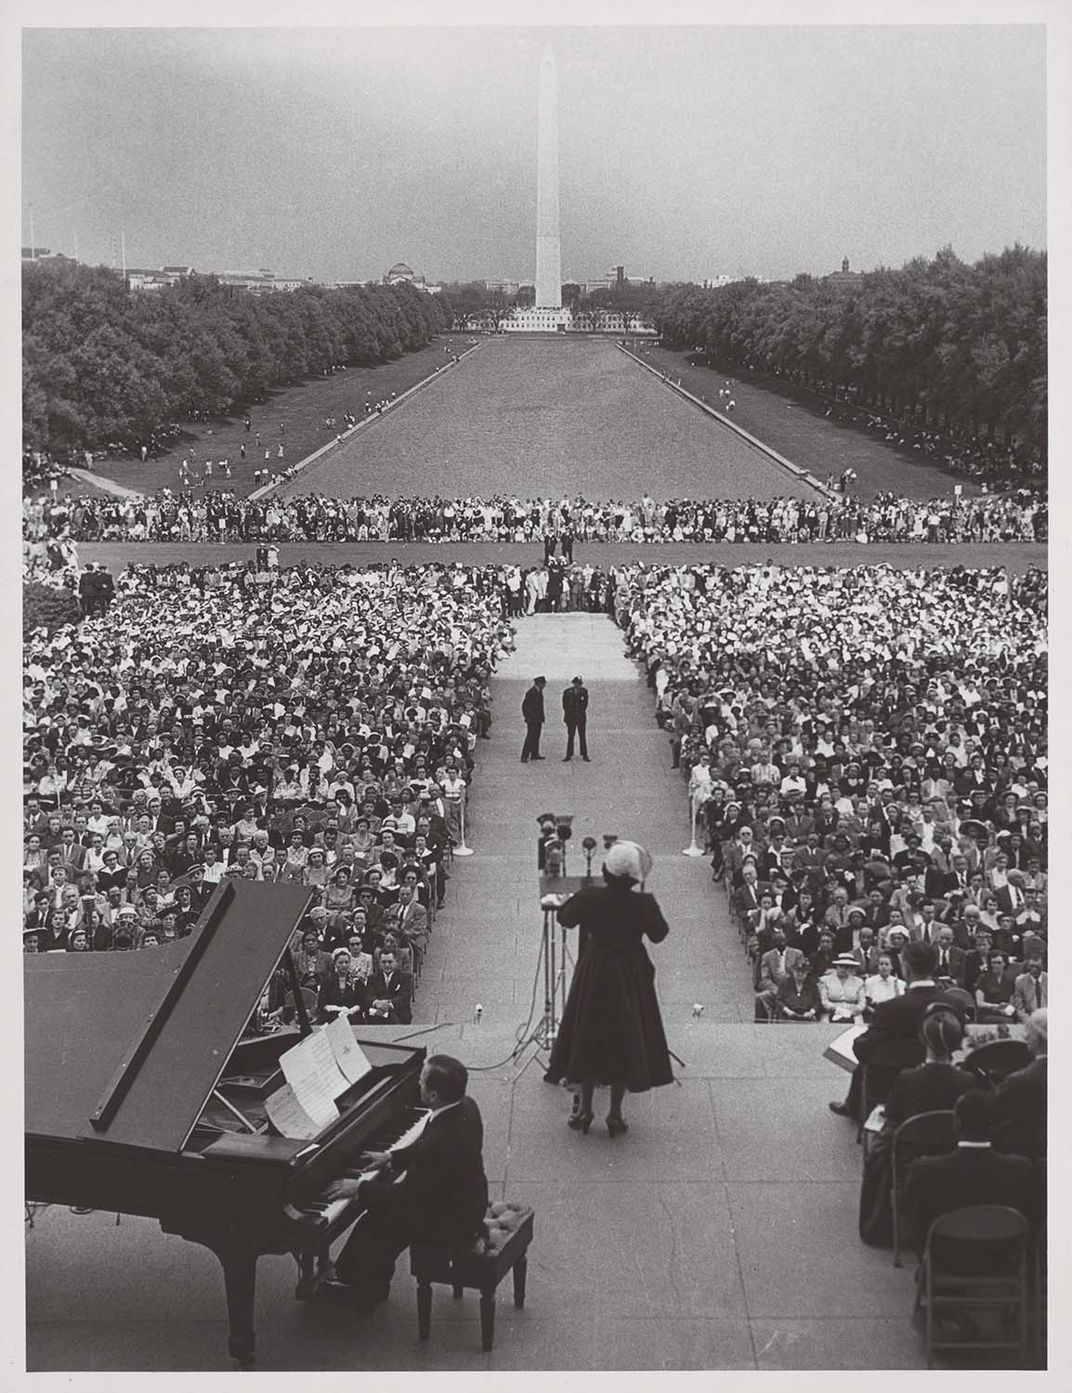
(315, 726)
(867, 765)
(220, 515)
(1000, 465)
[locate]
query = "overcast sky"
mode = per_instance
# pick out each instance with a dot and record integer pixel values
(684, 153)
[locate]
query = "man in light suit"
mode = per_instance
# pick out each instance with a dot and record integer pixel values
(408, 918)
(1029, 993)
(774, 967)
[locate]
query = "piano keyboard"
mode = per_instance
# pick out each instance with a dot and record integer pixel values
(325, 1213)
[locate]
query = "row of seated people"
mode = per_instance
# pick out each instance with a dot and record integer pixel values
(222, 516)
(130, 906)
(793, 986)
(817, 953)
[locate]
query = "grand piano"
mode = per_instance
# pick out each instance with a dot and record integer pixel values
(143, 1097)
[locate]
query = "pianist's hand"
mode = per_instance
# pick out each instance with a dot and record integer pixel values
(342, 1189)
(375, 1158)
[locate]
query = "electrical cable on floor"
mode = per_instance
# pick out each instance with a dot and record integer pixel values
(525, 1034)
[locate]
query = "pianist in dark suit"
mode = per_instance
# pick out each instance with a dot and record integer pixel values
(388, 994)
(432, 1191)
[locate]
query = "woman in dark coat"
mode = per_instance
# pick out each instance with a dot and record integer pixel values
(611, 1031)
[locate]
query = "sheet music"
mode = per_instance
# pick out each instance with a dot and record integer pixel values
(316, 1079)
(877, 1120)
(349, 1056)
(839, 1050)
(288, 1116)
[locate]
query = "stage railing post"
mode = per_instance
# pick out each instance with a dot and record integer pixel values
(692, 849)
(462, 850)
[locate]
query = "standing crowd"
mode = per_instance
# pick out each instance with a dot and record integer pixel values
(220, 515)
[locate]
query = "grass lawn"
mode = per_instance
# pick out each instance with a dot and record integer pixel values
(791, 421)
(548, 417)
(302, 409)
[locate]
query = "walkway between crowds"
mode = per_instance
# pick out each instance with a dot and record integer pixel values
(485, 947)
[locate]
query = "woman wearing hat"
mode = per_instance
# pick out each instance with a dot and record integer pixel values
(612, 1032)
(341, 989)
(841, 992)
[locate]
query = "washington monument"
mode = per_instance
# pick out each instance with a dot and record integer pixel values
(548, 246)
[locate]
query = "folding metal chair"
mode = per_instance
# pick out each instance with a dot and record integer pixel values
(924, 1134)
(982, 1237)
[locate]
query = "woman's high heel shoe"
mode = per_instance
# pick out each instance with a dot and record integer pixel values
(616, 1125)
(580, 1122)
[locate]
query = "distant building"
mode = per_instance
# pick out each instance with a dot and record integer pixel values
(529, 319)
(265, 282)
(36, 254)
(714, 282)
(614, 279)
(147, 280)
(844, 279)
(401, 274)
(262, 282)
(506, 287)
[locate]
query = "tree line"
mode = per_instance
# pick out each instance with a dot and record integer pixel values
(103, 365)
(938, 343)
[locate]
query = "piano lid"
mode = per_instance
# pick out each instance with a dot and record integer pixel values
(127, 1047)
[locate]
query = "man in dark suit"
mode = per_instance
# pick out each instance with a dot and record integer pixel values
(897, 1020)
(949, 966)
(389, 994)
(971, 1174)
(441, 1198)
(532, 710)
(1020, 1098)
(575, 714)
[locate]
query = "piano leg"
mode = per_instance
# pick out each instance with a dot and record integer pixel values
(240, 1278)
(311, 1270)
(237, 1253)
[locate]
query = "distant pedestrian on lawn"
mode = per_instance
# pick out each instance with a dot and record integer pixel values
(532, 710)
(248, 424)
(575, 715)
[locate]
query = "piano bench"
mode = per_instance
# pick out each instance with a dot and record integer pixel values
(503, 1249)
